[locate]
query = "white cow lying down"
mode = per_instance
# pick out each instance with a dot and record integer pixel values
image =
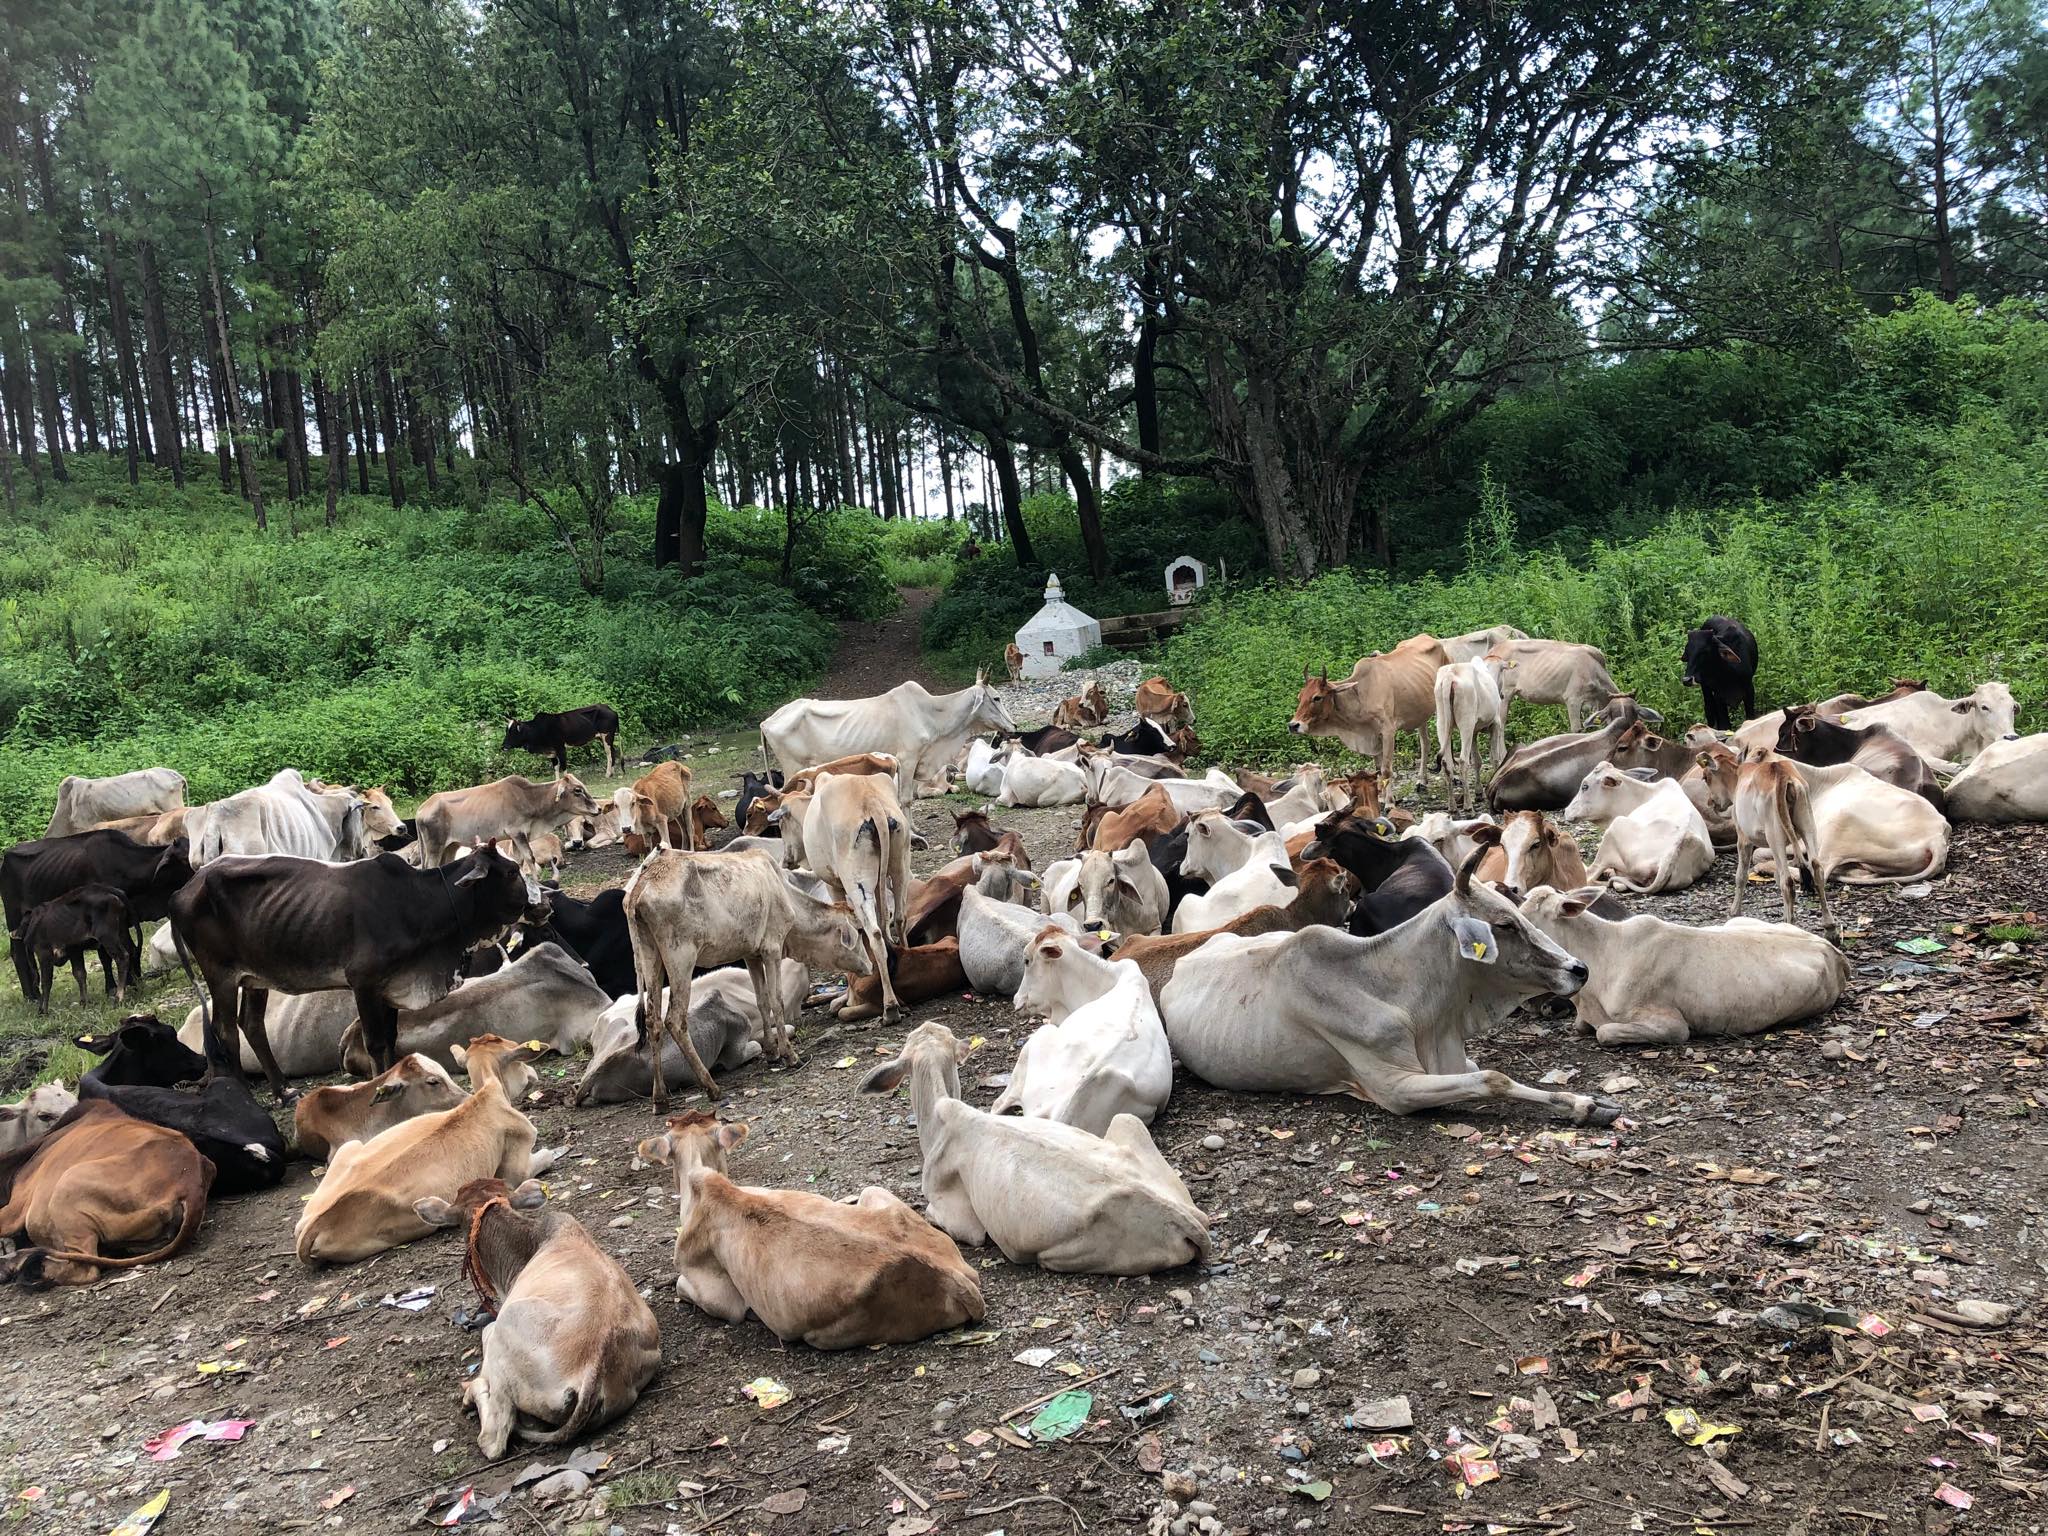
(1656, 839)
(1659, 983)
(1102, 1052)
(725, 1026)
(2007, 781)
(1042, 1192)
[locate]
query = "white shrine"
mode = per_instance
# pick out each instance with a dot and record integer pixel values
(1056, 632)
(1184, 578)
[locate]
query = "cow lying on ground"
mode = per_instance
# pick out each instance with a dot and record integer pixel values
(85, 803)
(100, 1180)
(305, 1030)
(1080, 711)
(593, 931)
(994, 937)
(1117, 892)
(329, 1116)
(30, 1116)
(142, 1063)
(1655, 840)
(725, 1027)
(1809, 737)
(1384, 1018)
(1101, 1052)
(571, 1345)
(512, 808)
(2007, 781)
(64, 928)
(545, 994)
(1762, 730)
(1158, 703)
(1544, 775)
(1657, 983)
(1324, 893)
(1030, 780)
(918, 974)
(1398, 876)
(508, 1063)
(1944, 731)
(835, 1274)
(553, 735)
(368, 1200)
(1042, 1192)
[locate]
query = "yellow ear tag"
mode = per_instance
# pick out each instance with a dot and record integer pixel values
(1478, 949)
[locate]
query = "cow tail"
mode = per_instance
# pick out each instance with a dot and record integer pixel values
(868, 834)
(1795, 810)
(192, 1212)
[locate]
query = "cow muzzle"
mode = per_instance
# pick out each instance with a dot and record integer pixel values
(1573, 977)
(1296, 728)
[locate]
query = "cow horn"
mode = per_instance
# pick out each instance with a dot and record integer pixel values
(1463, 884)
(1324, 675)
(1305, 674)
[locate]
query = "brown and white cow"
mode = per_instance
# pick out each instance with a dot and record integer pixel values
(511, 807)
(1084, 710)
(1809, 737)
(660, 802)
(1387, 693)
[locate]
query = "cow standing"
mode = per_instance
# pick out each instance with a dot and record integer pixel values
(553, 735)
(1720, 661)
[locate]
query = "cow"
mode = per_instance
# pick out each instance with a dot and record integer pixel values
(92, 917)
(836, 1274)
(973, 832)
(1307, 795)
(1544, 775)
(1258, 884)
(932, 908)
(853, 765)
(994, 936)
(1655, 840)
(140, 1065)
(1083, 710)
(1399, 877)
(1324, 893)
(917, 974)
(1157, 703)
(287, 816)
(1476, 643)
(1641, 747)
(1947, 732)
(327, 1117)
(1101, 1052)
(791, 814)
(1387, 693)
(1041, 781)
(1808, 737)
(390, 933)
(1720, 660)
(593, 931)
(100, 1179)
(305, 1030)
(34, 1114)
(1117, 892)
(570, 1345)
(35, 872)
(2006, 781)
(1384, 1018)
(858, 838)
(1762, 730)
(1657, 983)
(1553, 672)
(921, 730)
(1014, 660)
(985, 766)
(1218, 847)
(546, 994)
(1142, 740)
(1770, 805)
(553, 735)
(1044, 1193)
(1871, 832)
(1118, 787)
(659, 799)
(86, 803)
(1043, 742)
(156, 827)
(513, 808)
(1468, 701)
(1453, 837)
(689, 909)
(368, 1202)
(725, 1021)
(752, 787)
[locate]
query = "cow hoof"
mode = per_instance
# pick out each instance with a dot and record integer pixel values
(1599, 1111)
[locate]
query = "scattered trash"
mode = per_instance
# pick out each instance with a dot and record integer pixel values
(912, 1525)
(469, 1509)
(1533, 1365)
(1619, 1082)
(143, 1520)
(767, 1392)
(1037, 1358)
(1924, 946)
(339, 1497)
(166, 1444)
(418, 1299)
(837, 1445)
(1693, 1429)
(221, 1367)
(1585, 1277)
(1318, 1490)
(1873, 1325)
(1380, 1413)
(1954, 1497)
(1983, 1314)
(1062, 1416)
(1474, 1465)
(1151, 1454)
(1144, 1410)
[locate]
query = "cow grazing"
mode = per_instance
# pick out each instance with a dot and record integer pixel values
(513, 808)
(99, 1180)
(1043, 1192)
(1946, 732)
(691, 909)
(1655, 840)
(571, 1345)
(1770, 805)
(1159, 704)
(1101, 1052)
(858, 838)
(1083, 710)
(725, 1023)
(2006, 781)
(1468, 701)
(916, 974)
(1871, 832)
(1808, 737)
(835, 1274)
(35, 872)
(326, 1117)
(34, 1114)
(1553, 672)
(1387, 693)
(994, 938)
(86, 803)
(1476, 643)
(1110, 892)
(921, 730)
(368, 1200)
(1720, 660)
(1041, 781)
(1384, 1018)
(553, 735)
(391, 934)
(546, 994)
(1324, 893)
(140, 1066)
(1399, 876)
(1544, 775)
(92, 917)
(1655, 983)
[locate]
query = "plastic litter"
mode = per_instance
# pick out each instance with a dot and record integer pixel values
(166, 1444)
(418, 1299)
(1062, 1416)
(767, 1392)
(142, 1521)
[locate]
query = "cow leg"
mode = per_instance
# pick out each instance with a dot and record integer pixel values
(254, 1001)
(1646, 1026)
(1403, 1091)
(608, 748)
(380, 1028)
(1421, 756)
(78, 972)
(47, 963)
(1574, 716)
(1743, 852)
(676, 1021)
(107, 966)
(24, 965)
(1810, 864)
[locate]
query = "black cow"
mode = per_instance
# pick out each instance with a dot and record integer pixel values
(1399, 876)
(33, 873)
(1142, 740)
(1167, 853)
(140, 1067)
(391, 934)
(1720, 661)
(65, 927)
(594, 931)
(1251, 808)
(406, 835)
(1045, 740)
(752, 787)
(553, 735)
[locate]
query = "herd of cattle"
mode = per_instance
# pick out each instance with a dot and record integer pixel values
(1287, 935)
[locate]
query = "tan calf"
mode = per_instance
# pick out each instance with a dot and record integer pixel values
(1771, 805)
(1387, 693)
(508, 1063)
(858, 838)
(835, 1274)
(853, 765)
(1157, 701)
(572, 1345)
(1083, 710)
(326, 1117)
(513, 807)
(917, 974)
(1152, 814)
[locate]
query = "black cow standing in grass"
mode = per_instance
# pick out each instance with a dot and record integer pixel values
(39, 871)
(553, 735)
(1720, 661)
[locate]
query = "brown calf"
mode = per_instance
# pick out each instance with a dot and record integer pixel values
(1153, 814)
(919, 974)
(1771, 806)
(326, 1117)
(1324, 894)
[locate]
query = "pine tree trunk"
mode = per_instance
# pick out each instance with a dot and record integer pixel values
(17, 389)
(162, 390)
(252, 489)
(124, 345)
(946, 475)
(353, 388)
(1012, 498)
(387, 405)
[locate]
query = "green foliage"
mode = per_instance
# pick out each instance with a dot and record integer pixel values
(921, 553)
(144, 626)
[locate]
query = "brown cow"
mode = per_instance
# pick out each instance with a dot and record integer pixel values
(933, 906)
(509, 807)
(919, 973)
(1014, 660)
(1158, 702)
(1387, 693)
(1807, 736)
(1152, 815)
(659, 803)
(101, 1179)
(1641, 747)
(1324, 894)
(1080, 711)
(327, 1117)
(1773, 806)
(853, 765)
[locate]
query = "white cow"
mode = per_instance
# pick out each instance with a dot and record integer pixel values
(985, 767)
(1656, 838)
(921, 730)
(285, 816)
(547, 994)
(1468, 701)
(1101, 1053)
(2006, 781)
(994, 936)
(1660, 983)
(1029, 780)
(1119, 892)
(1384, 1018)
(1115, 786)
(305, 1029)
(1944, 731)
(1476, 643)
(723, 1025)
(1219, 847)
(1871, 832)
(1042, 1192)
(1308, 797)
(1449, 835)
(1258, 884)
(1555, 672)
(85, 803)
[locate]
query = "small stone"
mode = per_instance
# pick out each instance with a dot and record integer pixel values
(1178, 1485)
(1212, 1143)
(620, 1221)
(1200, 1507)
(944, 1412)
(1226, 1124)
(1307, 1378)
(1180, 1526)
(1921, 1207)
(1303, 1408)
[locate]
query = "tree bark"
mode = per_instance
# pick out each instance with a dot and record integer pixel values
(353, 388)
(124, 345)
(387, 404)
(162, 388)
(252, 489)
(1012, 495)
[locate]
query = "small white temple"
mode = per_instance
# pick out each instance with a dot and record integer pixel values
(1054, 633)
(1184, 578)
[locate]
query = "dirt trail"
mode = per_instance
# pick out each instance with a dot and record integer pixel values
(874, 657)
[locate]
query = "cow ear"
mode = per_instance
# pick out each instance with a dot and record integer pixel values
(434, 1211)
(1728, 656)
(1051, 951)
(656, 1151)
(1579, 900)
(99, 1045)
(1475, 939)
(886, 1077)
(134, 1036)
(529, 1196)
(1803, 723)
(1960, 707)
(1485, 837)
(1286, 877)
(731, 1133)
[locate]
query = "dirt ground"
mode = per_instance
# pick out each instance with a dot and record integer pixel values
(1548, 1296)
